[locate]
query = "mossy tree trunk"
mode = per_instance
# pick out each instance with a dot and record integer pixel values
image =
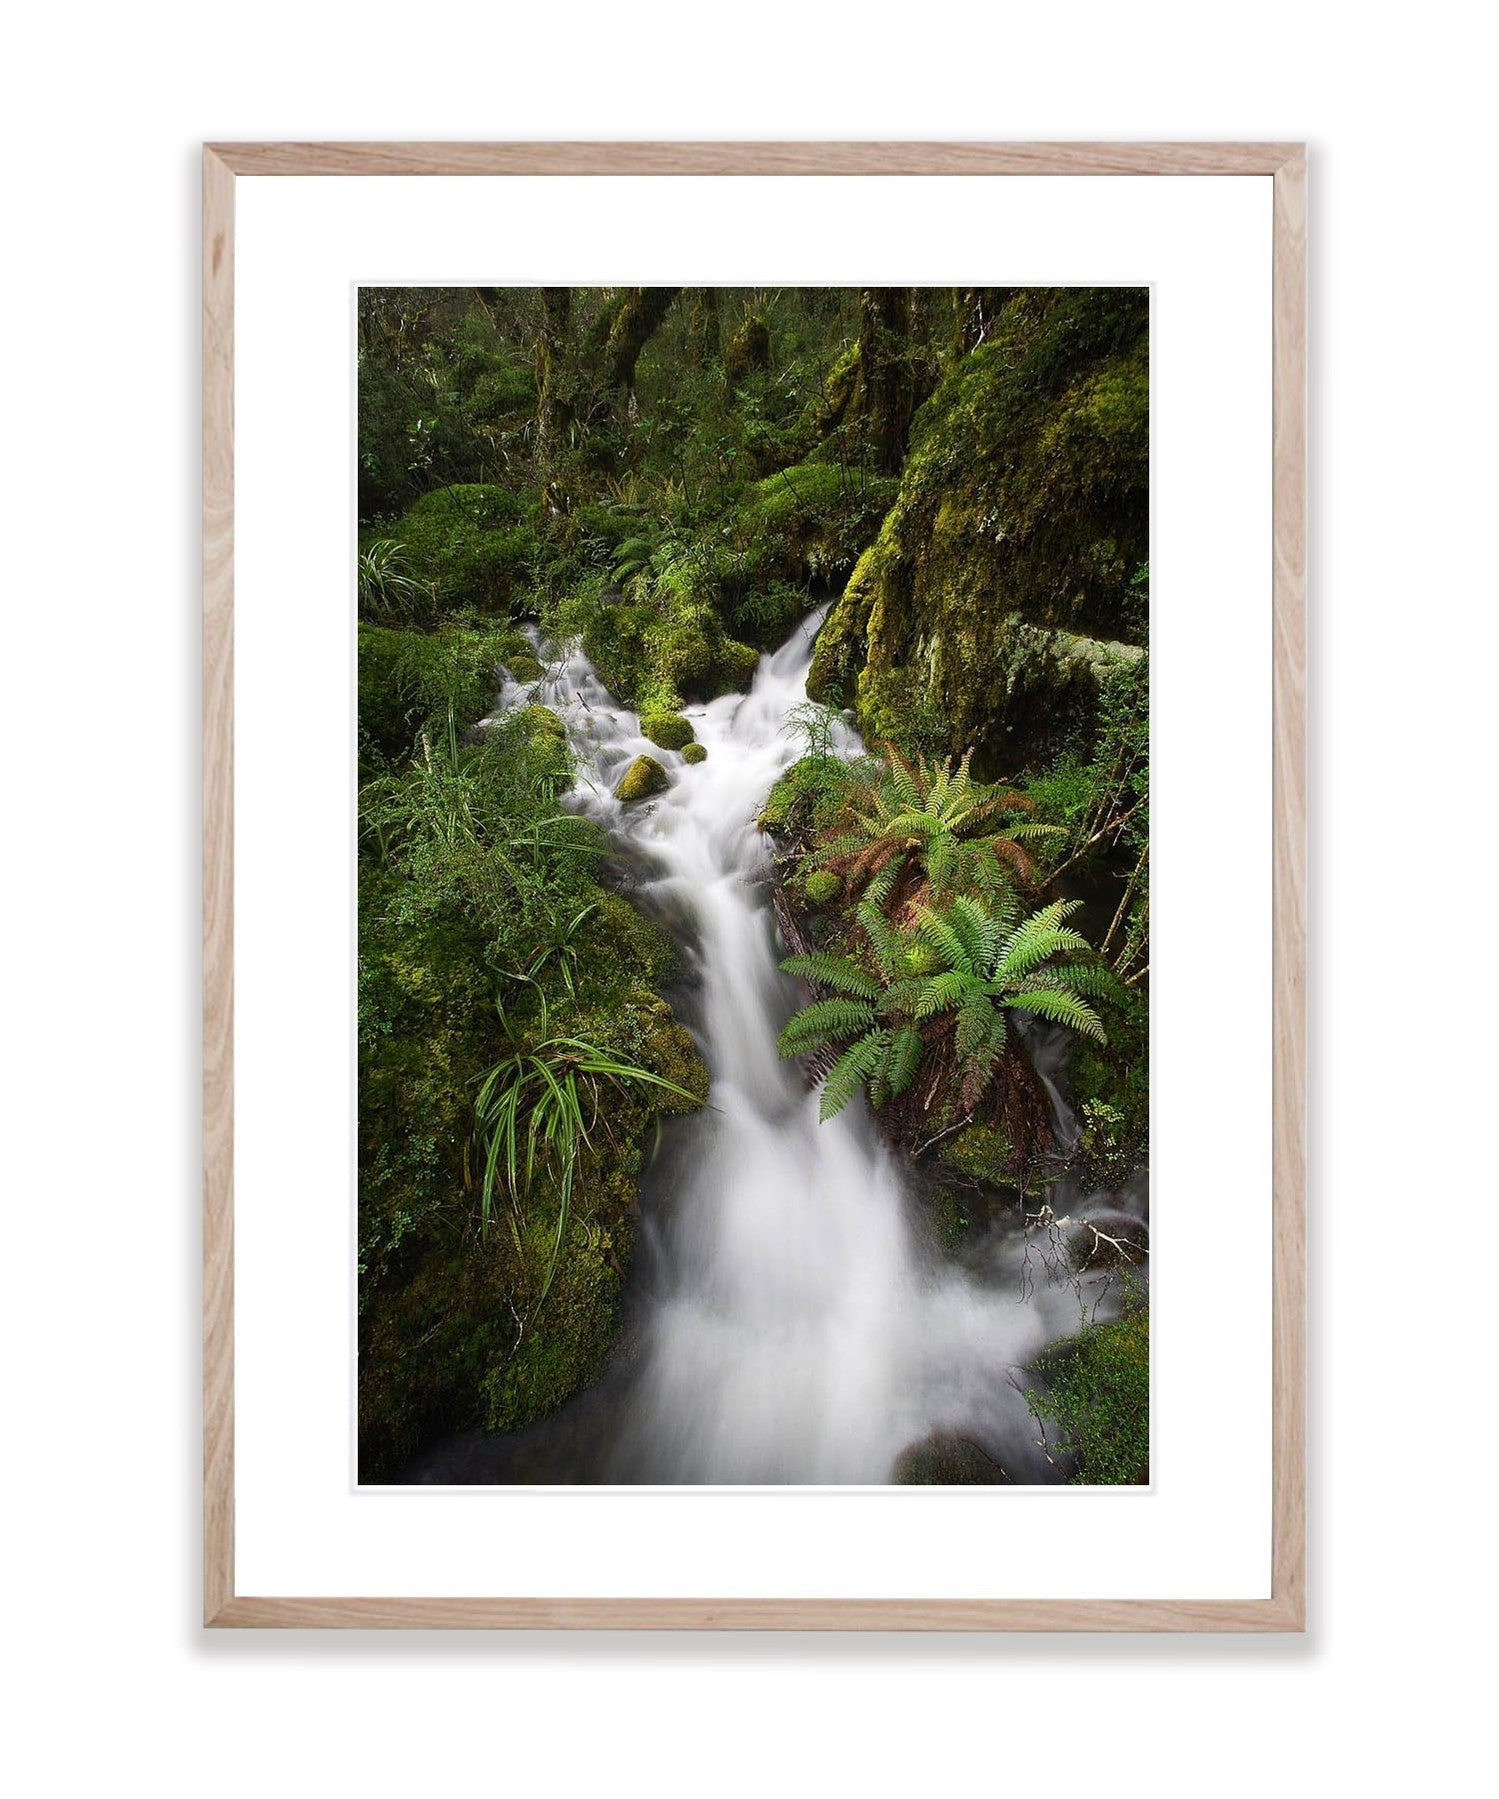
(636, 318)
(885, 399)
(974, 311)
(703, 335)
(551, 336)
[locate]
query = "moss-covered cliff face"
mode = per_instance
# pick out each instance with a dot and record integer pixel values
(1004, 580)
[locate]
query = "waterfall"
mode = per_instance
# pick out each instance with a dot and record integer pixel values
(789, 1319)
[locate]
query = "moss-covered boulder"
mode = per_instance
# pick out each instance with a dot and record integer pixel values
(821, 885)
(523, 668)
(645, 776)
(945, 1459)
(694, 752)
(1003, 583)
(667, 730)
(983, 1154)
(470, 544)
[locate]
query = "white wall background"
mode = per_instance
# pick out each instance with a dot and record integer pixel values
(105, 107)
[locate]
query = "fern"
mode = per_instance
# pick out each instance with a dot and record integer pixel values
(833, 971)
(849, 1073)
(1060, 1006)
(824, 1021)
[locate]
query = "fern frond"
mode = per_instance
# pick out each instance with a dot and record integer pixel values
(940, 994)
(903, 1060)
(824, 1021)
(837, 972)
(936, 928)
(976, 1016)
(1060, 1007)
(883, 937)
(1032, 942)
(850, 1072)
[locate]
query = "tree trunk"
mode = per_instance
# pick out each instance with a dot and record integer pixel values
(556, 308)
(636, 319)
(884, 400)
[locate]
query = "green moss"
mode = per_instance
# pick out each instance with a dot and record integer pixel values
(409, 680)
(999, 589)
(694, 752)
(524, 668)
(471, 544)
(645, 776)
(667, 730)
(1097, 1397)
(983, 1154)
(541, 721)
(821, 885)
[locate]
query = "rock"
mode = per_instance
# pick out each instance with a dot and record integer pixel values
(668, 730)
(694, 752)
(642, 778)
(945, 1459)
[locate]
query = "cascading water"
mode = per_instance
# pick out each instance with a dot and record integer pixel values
(789, 1320)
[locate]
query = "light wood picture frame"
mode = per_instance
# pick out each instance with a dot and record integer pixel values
(1285, 163)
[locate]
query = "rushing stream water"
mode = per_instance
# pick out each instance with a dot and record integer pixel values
(788, 1319)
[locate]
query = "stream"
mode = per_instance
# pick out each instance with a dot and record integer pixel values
(789, 1317)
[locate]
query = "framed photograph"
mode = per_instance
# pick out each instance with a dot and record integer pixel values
(754, 809)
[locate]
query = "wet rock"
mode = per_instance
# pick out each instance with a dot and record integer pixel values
(946, 1459)
(694, 752)
(641, 779)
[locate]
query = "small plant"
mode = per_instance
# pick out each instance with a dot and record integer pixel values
(535, 1112)
(387, 594)
(938, 1000)
(918, 834)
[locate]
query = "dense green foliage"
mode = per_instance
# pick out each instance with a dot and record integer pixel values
(485, 937)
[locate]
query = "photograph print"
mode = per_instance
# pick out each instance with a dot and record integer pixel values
(753, 886)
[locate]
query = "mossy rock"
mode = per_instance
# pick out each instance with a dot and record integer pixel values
(983, 1154)
(667, 730)
(945, 1459)
(694, 752)
(523, 668)
(821, 885)
(471, 544)
(542, 721)
(645, 776)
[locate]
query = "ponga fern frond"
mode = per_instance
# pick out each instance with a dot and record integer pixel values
(1061, 1007)
(824, 1021)
(837, 972)
(849, 1073)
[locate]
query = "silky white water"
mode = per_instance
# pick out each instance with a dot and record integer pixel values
(788, 1321)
